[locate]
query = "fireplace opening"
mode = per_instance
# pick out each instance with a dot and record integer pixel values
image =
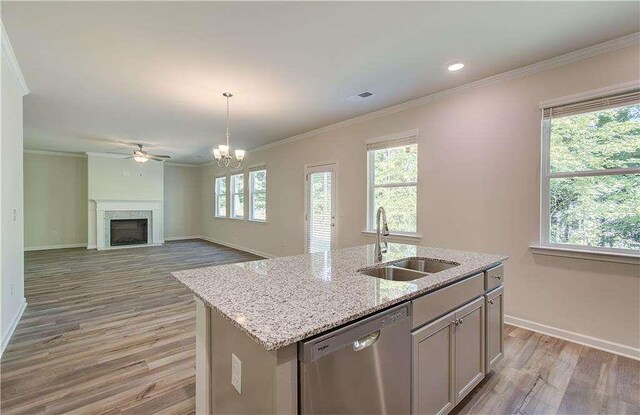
(128, 231)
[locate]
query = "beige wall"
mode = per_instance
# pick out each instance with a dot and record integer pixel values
(479, 171)
(182, 201)
(55, 200)
(55, 192)
(113, 178)
(11, 204)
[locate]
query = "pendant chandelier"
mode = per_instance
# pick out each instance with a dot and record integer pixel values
(221, 153)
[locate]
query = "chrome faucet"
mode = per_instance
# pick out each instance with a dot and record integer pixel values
(381, 234)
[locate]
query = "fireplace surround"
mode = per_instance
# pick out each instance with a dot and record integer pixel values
(107, 211)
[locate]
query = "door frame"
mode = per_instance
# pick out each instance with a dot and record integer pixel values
(334, 233)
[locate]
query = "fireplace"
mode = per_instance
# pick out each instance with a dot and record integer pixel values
(129, 232)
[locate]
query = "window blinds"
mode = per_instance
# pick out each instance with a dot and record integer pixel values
(320, 212)
(620, 100)
(390, 144)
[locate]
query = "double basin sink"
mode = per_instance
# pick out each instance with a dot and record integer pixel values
(408, 269)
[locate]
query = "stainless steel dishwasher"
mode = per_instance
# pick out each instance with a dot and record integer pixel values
(363, 368)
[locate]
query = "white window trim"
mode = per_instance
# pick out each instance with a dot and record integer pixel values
(370, 213)
(545, 247)
(230, 195)
(215, 196)
(251, 193)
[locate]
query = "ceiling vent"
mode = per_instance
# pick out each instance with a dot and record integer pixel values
(360, 97)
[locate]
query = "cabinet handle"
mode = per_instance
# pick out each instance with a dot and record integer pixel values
(456, 322)
(491, 302)
(498, 277)
(460, 321)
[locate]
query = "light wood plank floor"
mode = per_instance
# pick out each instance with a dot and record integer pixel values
(112, 332)
(107, 332)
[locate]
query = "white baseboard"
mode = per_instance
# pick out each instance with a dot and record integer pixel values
(12, 327)
(600, 344)
(241, 248)
(45, 247)
(181, 238)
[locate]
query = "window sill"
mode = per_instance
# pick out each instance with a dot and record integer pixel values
(587, 254)
(219, 217)
(397, 236)
(242, 218)
(257, 221)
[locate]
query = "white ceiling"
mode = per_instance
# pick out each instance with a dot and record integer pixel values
(105, 73)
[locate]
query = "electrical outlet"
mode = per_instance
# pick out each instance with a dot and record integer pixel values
(15, 214)
(11, 288)
(126, 173)
(55, 234)
(236, 373)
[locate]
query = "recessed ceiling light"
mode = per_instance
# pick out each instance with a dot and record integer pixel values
(455, 66)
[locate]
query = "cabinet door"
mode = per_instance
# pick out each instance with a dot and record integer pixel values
(469, 347)
(494, 308)
(433, 367)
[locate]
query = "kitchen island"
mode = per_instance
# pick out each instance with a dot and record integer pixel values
(252, 317)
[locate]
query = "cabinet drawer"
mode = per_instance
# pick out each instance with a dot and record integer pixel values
(437, 303)
(493, 277)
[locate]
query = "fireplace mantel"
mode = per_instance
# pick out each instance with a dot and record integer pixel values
(107, 209)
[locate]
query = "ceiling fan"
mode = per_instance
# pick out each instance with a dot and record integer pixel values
(142, 156)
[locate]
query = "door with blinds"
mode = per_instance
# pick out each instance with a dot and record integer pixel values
(320, 215)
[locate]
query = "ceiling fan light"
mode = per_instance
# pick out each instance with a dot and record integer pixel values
(224, 149)
(240, 155)
(217, 154)
(140, 159)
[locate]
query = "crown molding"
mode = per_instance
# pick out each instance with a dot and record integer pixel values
(55, 153)
(561, 60)
(7, 53)
(181, 164)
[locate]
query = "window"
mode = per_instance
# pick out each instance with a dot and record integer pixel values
(393, 183)
(237, 196)
(220, 208)
(258, 195)
(591, 174)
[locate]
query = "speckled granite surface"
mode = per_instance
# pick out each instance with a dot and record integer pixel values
(283, 300)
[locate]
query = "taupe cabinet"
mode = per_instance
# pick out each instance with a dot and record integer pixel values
(494, 309)
(452, 353)
(448, 359)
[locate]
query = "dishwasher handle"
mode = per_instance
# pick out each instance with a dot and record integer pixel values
(366, 341)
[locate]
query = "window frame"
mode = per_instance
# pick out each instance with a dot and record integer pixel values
(546, 175)
(252, 192)
(216, 195)
(402, 139)
(231, 195)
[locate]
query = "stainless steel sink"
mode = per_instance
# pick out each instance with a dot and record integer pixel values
(408, 269)
(425, 265)
(394, 273)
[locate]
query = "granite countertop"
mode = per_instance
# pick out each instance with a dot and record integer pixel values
(283, 300)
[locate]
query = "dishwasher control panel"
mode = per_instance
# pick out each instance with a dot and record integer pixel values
(328, 343)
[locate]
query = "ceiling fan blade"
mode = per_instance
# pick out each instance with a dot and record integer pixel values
(162, 157)
(120, 154)
(154, 158)
(130, 157)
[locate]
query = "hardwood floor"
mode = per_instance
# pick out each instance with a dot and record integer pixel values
(544, 375)
(107, 332)
(112, 332)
